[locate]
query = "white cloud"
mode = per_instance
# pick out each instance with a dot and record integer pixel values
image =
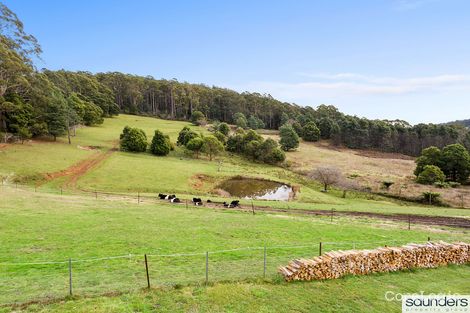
(358, 84)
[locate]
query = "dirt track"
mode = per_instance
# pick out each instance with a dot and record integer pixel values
(411, 218)
(77, 170)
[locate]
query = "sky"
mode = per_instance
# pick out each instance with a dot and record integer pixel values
(385, 59)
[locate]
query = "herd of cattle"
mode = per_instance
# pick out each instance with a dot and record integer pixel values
(197, 201)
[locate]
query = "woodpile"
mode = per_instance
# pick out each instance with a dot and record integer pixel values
(337, 264)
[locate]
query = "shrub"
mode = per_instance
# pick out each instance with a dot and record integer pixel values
(160, 144)
(185, 135)
(133, 140)
(441, 184)
(429, 156)
(430, 175)
(289, 138)
(221, 137)
(298, 128)
(311, 132)
(235, 143)
(454, 184)
(195, 145)
(431, 197)
(198, 118)
(224, 128)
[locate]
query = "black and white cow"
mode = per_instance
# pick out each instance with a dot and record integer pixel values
(197, 201)
(175, 200)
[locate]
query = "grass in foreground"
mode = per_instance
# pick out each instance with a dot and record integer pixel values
(350, 294)
(56, 228)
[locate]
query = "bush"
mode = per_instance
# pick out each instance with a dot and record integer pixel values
(133, 140)
(223, 128)
(311, 132)
(431, 197)
(430, 175)
(454, 184)
(221, 137)
(298, 128)
(440, 184)
(198, 118)
(252, 145)
(235, 143)
(160, 144)
(289, 138)
(195, 146)
(185, 135)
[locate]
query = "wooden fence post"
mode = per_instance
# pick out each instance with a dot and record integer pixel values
(70, 276)
(138, 197)
(319, 248)
(207, 268)
(264, 263)
(147, 271)
(409, 222)
(252, 207)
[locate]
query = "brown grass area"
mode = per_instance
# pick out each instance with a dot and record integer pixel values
(370, 168)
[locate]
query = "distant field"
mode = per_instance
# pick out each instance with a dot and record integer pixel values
(90, 164)
(370, 169)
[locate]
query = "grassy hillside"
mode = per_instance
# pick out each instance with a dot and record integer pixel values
(53, 218)
(91, 163)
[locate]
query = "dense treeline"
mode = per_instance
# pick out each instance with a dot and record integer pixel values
(178, 100)
(34, 103)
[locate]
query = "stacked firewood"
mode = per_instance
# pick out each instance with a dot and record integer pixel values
(336, 264)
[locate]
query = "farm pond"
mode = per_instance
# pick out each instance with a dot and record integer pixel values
(249, 188)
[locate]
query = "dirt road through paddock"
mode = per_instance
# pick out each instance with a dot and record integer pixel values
(77, 170)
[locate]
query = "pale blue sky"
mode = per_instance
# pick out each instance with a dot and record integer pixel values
(407, 59)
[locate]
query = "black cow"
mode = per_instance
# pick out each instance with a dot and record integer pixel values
(209, 201)
(197, 200)
(170, 197)
(162, 196)
(234, 203)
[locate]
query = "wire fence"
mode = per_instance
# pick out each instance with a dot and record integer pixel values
(22, 282)
(409, 220)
